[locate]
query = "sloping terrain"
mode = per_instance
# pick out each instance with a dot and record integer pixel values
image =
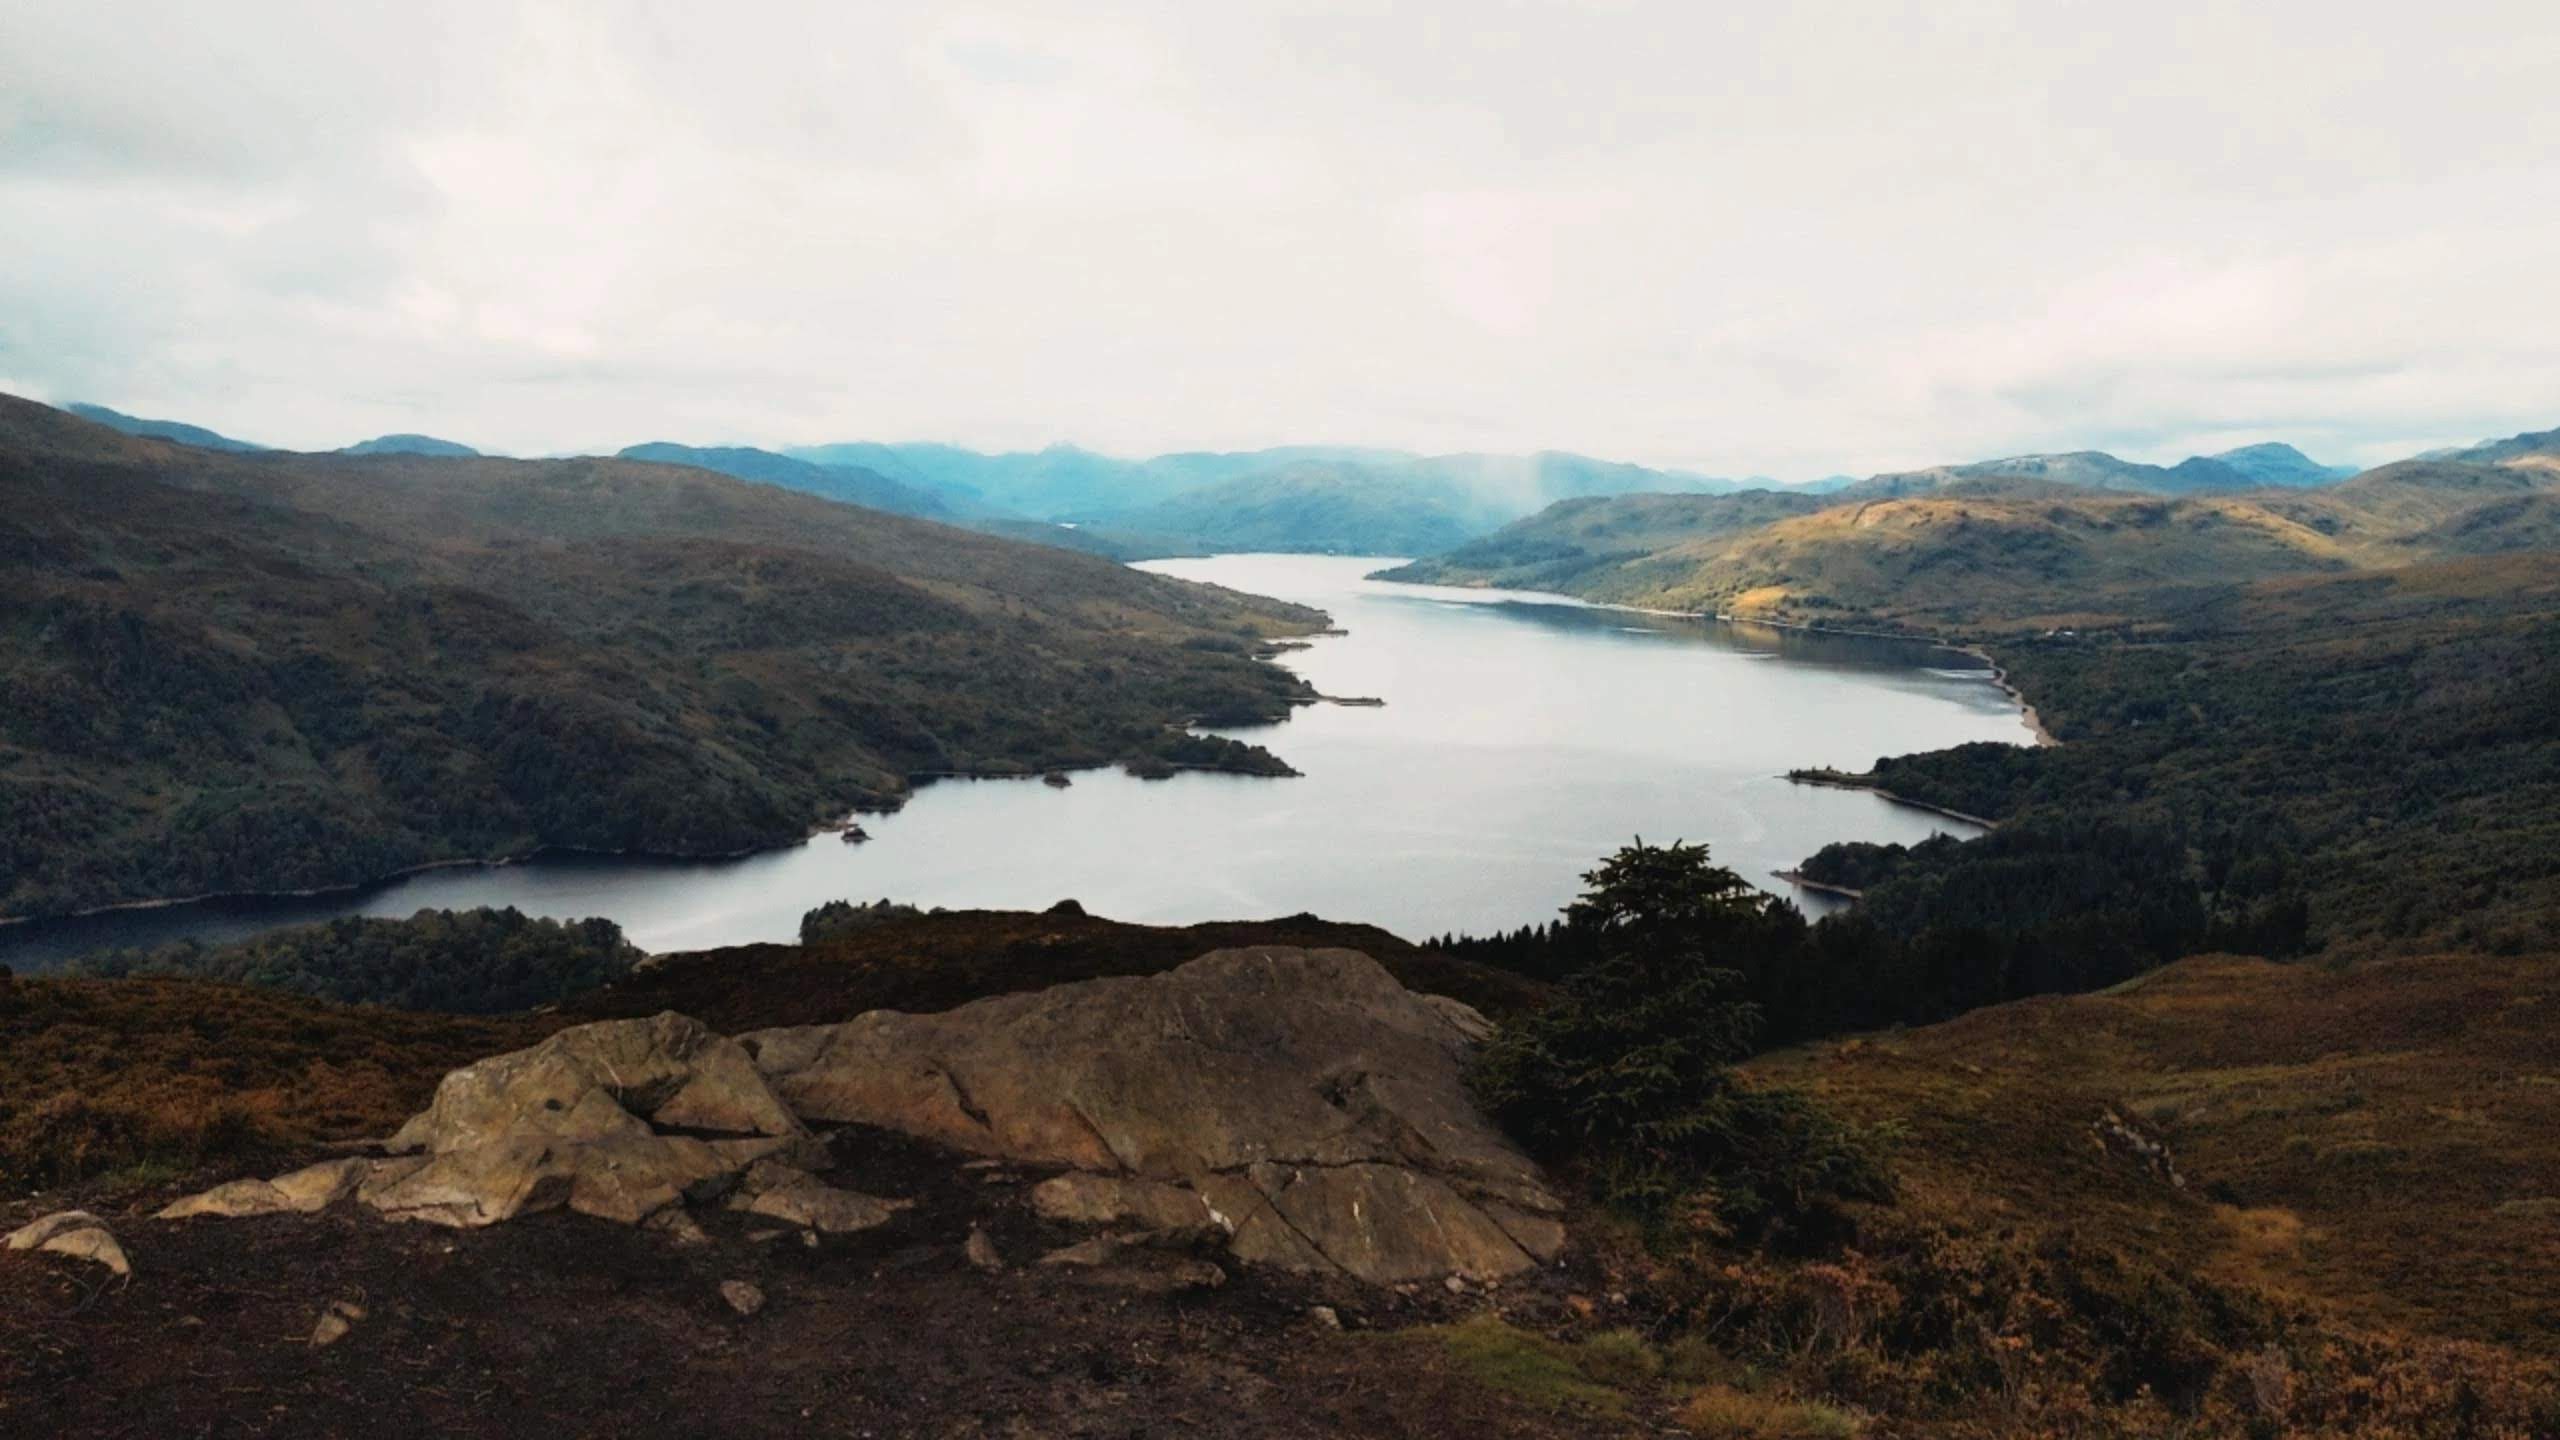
(2384, 745)
(2378, 1143)
(2008, 552)
(175, 430)
(851, 484)
(1563, 545)
(235, 673)
(2233, 1198)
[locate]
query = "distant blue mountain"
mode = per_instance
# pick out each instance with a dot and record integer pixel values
(180, 432)
(2276, 463)
(852, 484)
(410, 445)
(2251, 467)
(1065, 482)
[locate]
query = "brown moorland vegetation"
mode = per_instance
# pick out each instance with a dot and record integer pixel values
(2273, 1198)
(156, 1076)
(2233, 1198)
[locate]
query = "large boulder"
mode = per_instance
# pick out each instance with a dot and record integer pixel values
(619, 1119)
(1301, 1102)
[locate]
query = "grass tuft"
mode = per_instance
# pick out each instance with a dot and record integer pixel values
(1724, 1412)
(1532, 1368)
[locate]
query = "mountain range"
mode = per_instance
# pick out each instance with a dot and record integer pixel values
(1350, 499)
(2037, 541)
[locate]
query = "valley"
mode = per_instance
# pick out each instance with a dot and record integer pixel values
(2197, 1088)
(1467, 801)
(247, 673)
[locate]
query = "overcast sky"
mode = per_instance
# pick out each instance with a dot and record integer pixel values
(1779, 239)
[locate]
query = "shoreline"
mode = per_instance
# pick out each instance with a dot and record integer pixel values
(2027, 716)
(915, 781)
(387, 878)
(1836, 780)
(1797, 879)
(2000, 677)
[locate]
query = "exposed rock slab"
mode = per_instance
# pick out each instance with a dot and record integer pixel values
(625, 1120)
(1301, 1100)
(619, 1120)
(75, 1233)
(597, 1082)
(796, 1197)
(312, 1188)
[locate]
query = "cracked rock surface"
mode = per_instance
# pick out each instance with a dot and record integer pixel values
(625, 1120)
(1301, 1102)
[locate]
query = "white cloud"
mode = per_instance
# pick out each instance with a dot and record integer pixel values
(1780, 239)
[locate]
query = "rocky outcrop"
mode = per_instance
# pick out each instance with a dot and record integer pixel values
(310, 1189)
(1301, 1103)
(75, 1233)
(625, 1120)
(1298, 1108)
(618, 1120)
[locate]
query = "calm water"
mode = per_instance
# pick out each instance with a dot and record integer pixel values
(1523, 737)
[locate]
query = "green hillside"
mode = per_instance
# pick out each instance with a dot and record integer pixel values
(1572, 541)
(2012, 553)
(236, 673)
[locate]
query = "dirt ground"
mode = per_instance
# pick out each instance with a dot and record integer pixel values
(562, 1325)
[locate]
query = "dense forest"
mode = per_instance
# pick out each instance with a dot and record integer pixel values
(462, 962)
(265, 672)
(2333, 767)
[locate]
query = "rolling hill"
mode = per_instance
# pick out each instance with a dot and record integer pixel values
(2017, 551)
(2250, 467)
(1572, 539)
(175, 430)
(251, 673)
(410, 445)
(848, 483)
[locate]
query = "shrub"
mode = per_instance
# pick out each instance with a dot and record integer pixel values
(70, 1137)
(1629, 1078)
(1620, 1357)
(843, 917)
(463, 962)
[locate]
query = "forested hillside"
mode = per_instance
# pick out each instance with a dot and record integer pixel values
(1571, 541)
(2383, 749)
(2337, 766)
(248, 673)
(463, 962)
(2002, 552)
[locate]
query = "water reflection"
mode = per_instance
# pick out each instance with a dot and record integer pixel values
(1522, 738)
